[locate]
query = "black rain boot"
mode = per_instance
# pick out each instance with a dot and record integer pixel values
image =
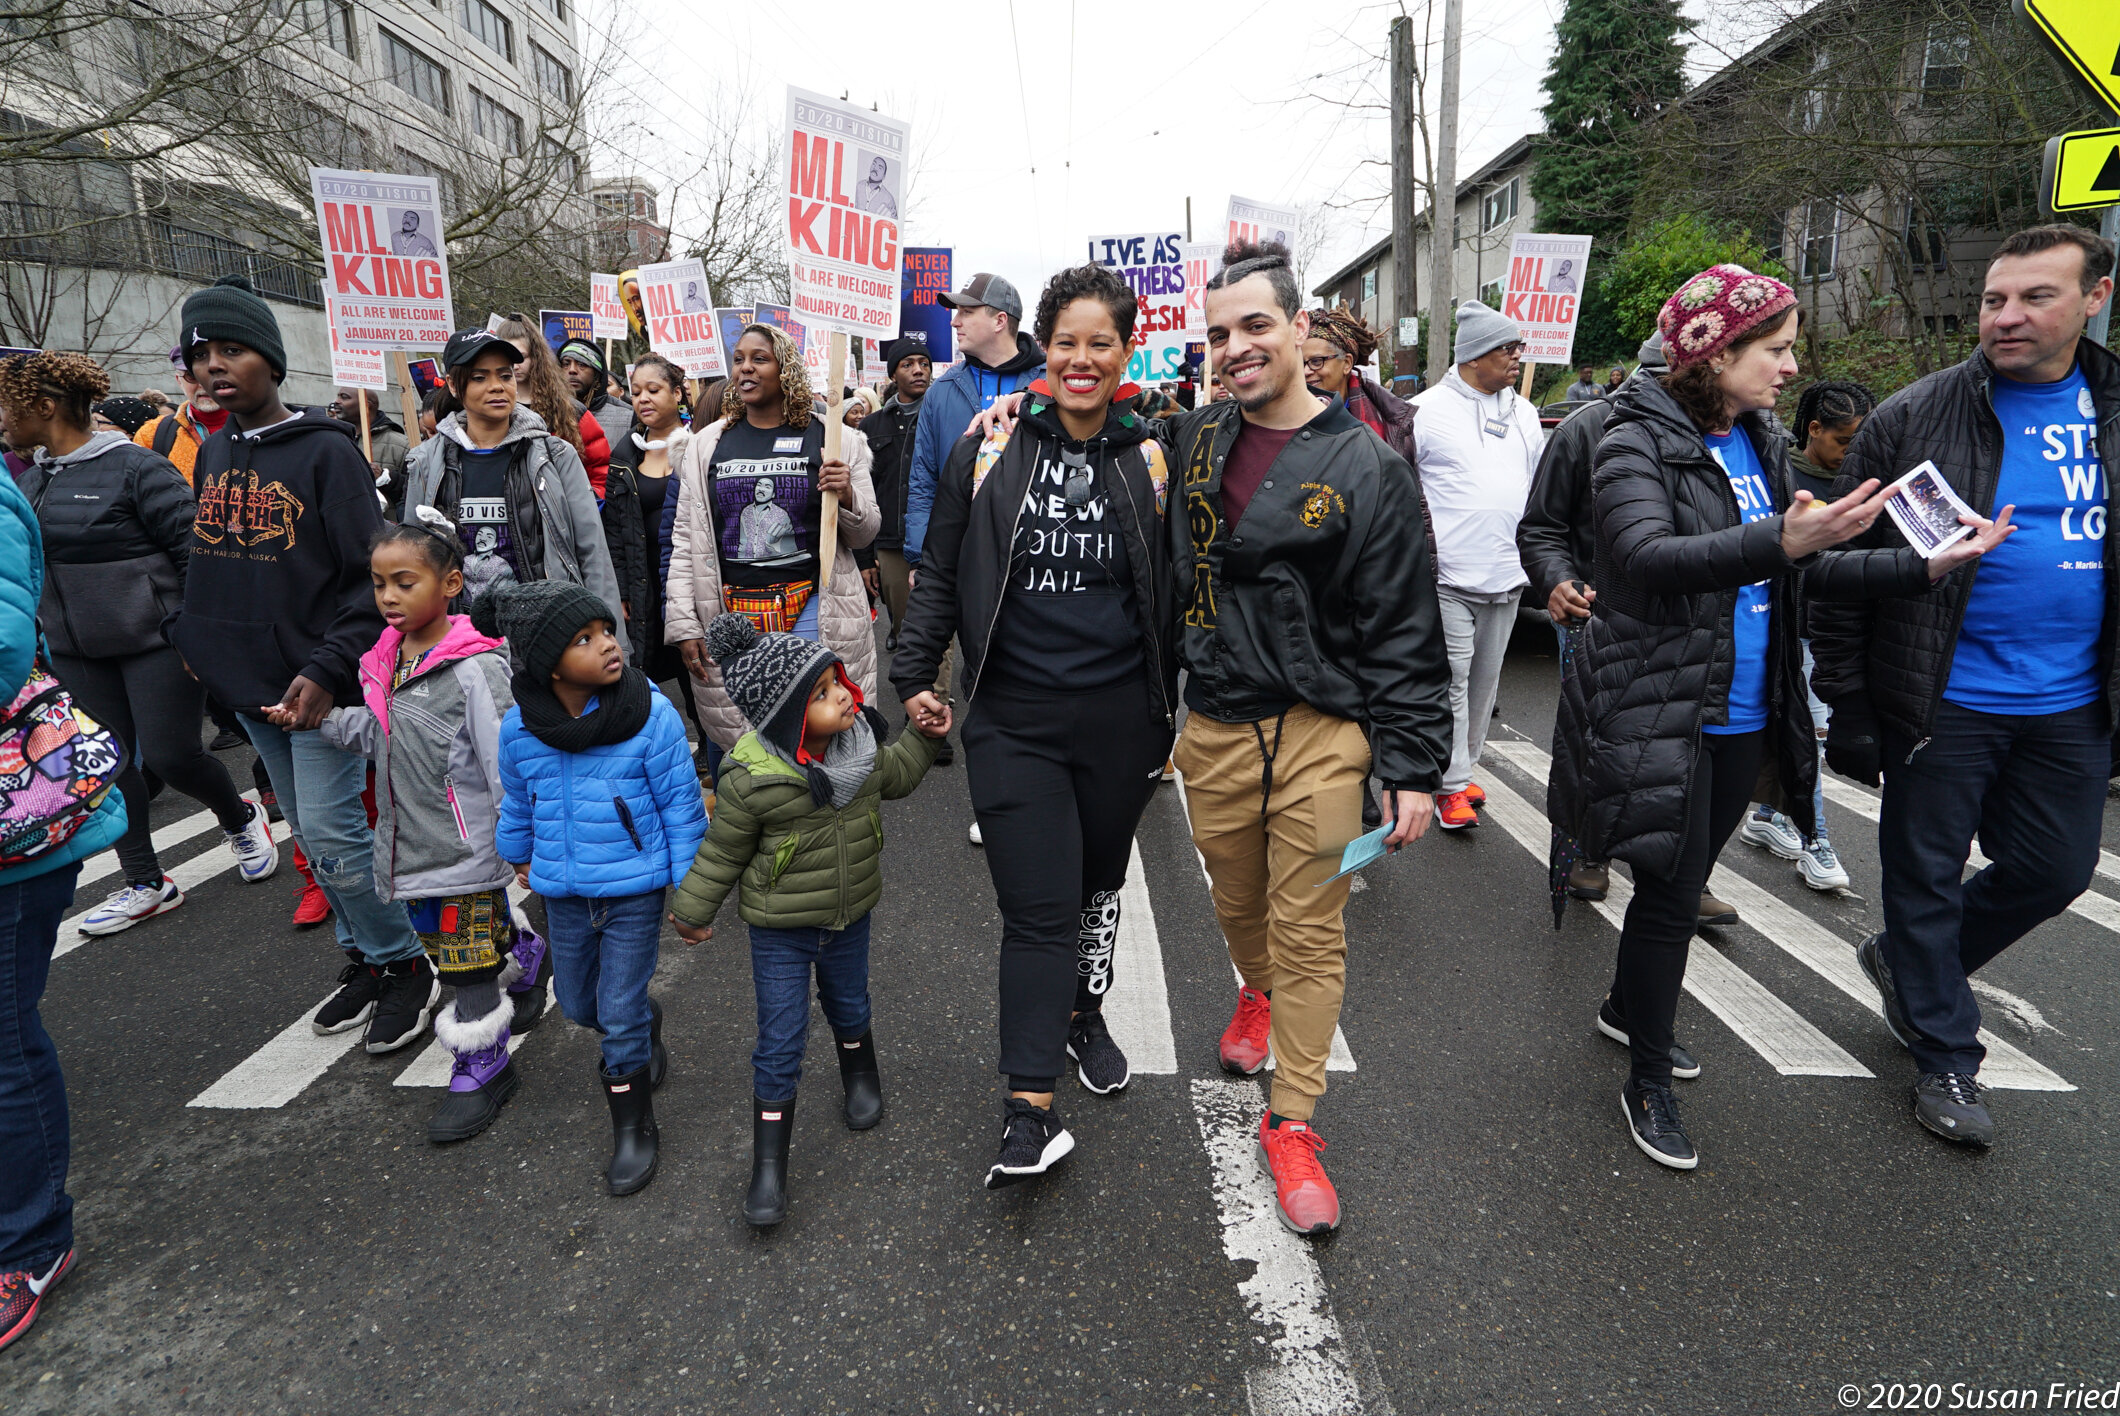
(766, 1204)
(633, 1134)
(857, 1069)
(658, 1055)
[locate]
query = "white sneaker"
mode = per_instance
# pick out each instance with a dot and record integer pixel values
(977, 839)
(256, 855)
(1776, 833)
(1821, 868)
(127, 907)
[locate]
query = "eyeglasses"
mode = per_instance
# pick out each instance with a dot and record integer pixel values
(1512, 350)
(1317, 362)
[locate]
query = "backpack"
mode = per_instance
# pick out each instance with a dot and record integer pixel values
(166, 434)
(56, 766)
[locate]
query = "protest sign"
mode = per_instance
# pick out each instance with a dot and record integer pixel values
(1202, 260)
(847, 174)
(1545, 293)
(607, 314)
(872, 371)
(385, 261)
(728, 328)
(781, 318)
(563, 325)
(1261, 221)
(1153, 263)
(350, 367)
(426, 375)
(920, 314)
(673, 296)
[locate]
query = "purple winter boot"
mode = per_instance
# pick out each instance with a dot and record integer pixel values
(527, 976)
(480, 1081)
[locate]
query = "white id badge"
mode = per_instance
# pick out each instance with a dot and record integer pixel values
(1498, 427)
(793, 444)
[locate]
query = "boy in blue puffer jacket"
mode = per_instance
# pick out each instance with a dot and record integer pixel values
(600, 813)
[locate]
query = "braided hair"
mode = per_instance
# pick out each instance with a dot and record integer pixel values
(432, 534)
(796, 400)
(73, 381)
(1833, 404)
(1345, 331)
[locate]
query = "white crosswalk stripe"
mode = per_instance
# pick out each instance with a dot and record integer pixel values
(1770, 1027)
(189, 875)
(1821, 950)
(97, 867)
(277, 1072)
(1138, 1007)
(1341, 1057)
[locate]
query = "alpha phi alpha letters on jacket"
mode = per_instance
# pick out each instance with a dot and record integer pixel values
(235, 507)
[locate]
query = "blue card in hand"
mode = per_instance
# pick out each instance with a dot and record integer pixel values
(1361, 851)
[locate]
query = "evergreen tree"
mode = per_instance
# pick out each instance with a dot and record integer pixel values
(1616, 64)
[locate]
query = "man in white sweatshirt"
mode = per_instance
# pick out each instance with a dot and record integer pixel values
(1478, 445)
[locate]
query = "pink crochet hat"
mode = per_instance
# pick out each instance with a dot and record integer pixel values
(1715, 307)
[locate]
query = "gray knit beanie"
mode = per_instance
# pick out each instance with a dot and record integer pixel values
(538, 619)
(1482, 331)
(768, 676)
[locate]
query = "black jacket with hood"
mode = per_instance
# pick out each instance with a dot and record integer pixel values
(1892, 656)
(1324, 594)
(278, 583)
(972, 539)
(1556, 537)
(890, 431)
(116, 521)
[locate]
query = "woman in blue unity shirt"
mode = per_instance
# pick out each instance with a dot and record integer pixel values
(1691, 677)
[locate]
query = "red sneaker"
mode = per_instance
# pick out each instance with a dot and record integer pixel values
(312, 909)
(1245, 1042)
(1302, 1195)
(1454, 812)
(1474, 794)
(23, 1293)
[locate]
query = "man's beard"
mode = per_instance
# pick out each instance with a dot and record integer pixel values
(1269, 389)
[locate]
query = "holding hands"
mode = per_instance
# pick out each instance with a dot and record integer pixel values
(928, 714)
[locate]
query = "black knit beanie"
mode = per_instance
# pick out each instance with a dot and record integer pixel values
(230, 309)
(539, 620)
(901, 349)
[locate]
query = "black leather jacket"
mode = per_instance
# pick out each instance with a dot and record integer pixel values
(1897, 652)
(890, 433)
(1324, 594)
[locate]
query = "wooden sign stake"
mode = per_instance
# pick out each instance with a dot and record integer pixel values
(828, 519)
(403, 368)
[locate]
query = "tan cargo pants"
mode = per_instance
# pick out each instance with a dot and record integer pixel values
(1264, 867)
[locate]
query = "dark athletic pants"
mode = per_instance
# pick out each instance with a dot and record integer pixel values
(1665, 909)
(154, 707)
(1058, 784)
(2034, 790)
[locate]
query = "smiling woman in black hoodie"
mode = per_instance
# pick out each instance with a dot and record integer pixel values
(1047, 559)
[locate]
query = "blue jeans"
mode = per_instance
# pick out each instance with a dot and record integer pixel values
(781, 960)
(2033, 788)
(603, 954)
(319, 788)
(36, 1214)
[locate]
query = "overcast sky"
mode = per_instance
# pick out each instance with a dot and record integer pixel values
(1123, 109)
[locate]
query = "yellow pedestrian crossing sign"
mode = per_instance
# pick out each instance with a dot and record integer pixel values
(2085, 36)
(2081, 171)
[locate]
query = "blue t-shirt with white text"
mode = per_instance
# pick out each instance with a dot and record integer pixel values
(2029, 643)
(1733, 452)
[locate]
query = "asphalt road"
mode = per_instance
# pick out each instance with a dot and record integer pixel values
(1505, 1248)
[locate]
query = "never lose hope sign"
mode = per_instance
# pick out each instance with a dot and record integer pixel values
(847, 182)
(386, 263)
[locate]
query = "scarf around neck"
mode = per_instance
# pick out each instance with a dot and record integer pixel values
(620, 712)
(837, 776)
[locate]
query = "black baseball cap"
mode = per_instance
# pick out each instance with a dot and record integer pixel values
(467, 344)
(989, 290)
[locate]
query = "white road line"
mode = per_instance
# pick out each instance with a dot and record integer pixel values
(1138, 1006)
(2100, 910)
(96, 867)
(1826, 954)
(431, 1067)
(1770, 1027)
(1314, 1369)
(277, 1072)
(189, 876)
(1341, 1057)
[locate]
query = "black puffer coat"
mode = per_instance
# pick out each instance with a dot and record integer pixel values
(117, 539)
(1659, 651)
(1896, 653)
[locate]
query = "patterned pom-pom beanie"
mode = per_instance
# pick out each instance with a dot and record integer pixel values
(1712, 309)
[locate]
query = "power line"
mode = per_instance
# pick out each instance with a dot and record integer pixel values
(1029, 153)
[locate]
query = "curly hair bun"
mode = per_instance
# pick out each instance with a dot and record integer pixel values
(731, 636)
(486, 609)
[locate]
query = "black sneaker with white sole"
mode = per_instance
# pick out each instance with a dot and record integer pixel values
(1098, 1061)
(1652, 1119)
(1612, 1025)
(1032, 1139)
(1870, 954)
(359, 984)
(409, 992)
(1949, 1104)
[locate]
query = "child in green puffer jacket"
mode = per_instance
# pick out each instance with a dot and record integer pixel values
(798, 821)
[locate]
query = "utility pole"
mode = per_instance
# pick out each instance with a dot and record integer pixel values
(1405, 290)
(1441, 258)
